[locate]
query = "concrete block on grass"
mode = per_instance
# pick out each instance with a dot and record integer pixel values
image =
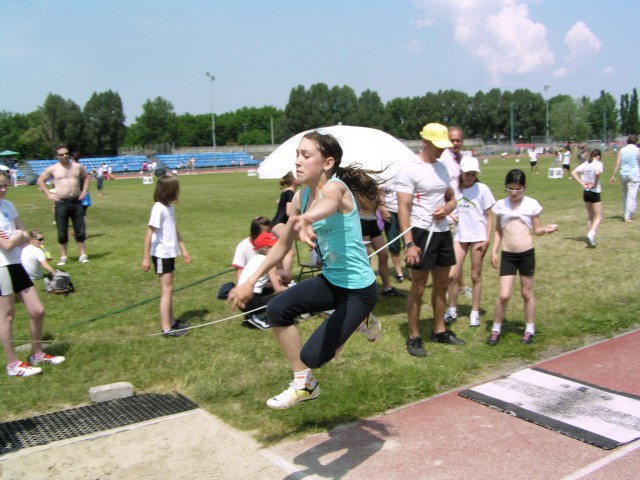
(104, 393)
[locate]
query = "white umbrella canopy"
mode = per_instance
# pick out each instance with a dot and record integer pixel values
(371, 148)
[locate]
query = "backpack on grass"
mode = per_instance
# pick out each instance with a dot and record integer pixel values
(60, 283)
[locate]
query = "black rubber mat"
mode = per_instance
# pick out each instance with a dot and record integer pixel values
(89, 419)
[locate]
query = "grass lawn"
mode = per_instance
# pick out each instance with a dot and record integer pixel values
(107, 328)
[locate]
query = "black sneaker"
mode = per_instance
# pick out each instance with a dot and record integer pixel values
(175, 332)
(493, 339)
(447, 337)
(391, 292)
(527, 339)
(416, 347)
(399, 278)
(259, 321)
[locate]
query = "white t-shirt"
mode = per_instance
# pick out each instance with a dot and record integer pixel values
(453, 167)
(528, 209)
(588, 171)
(566, 158)
(390, 198)
(427, 182)
(31, 258)
(249, 269)
(471, 204)
(244, 253)
(8, 215)
(164, 242)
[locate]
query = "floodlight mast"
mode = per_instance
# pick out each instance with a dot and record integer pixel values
(213, 117)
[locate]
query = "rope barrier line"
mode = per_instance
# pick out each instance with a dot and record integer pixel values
(142, 302)
(149, 300)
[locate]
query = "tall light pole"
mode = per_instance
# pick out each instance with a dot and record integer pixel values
(213, 117)
(546, 102)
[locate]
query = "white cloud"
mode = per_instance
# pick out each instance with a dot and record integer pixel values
(561, 72)
(498, 32)
(581, 40)
(413, 47)
(607, 71)
(583, 45)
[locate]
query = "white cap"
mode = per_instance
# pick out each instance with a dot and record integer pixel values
(469, 164)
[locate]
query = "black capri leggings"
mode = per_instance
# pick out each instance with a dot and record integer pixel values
(317, 294)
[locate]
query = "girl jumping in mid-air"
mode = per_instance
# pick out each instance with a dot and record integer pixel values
(516, 216)
(162, 245)
(323, 215)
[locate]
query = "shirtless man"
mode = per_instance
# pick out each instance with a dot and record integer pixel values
(71, 184)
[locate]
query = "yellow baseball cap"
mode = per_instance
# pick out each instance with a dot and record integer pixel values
(437, 134)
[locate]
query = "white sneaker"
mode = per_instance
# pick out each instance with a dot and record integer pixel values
(23, 369)
(474, 321)
(47, 359)
(62, 261)
(83, 259)
(292, 396)
(371, 328)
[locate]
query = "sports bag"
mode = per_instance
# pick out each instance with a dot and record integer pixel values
(60, 283)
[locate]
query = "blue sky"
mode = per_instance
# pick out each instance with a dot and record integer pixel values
(258, 50)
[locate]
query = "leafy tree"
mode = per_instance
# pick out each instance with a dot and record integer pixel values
(157, 124)
(195, 130)
(569, 119)
(61, 122)
(104, 123)
(633, 119)
(370, 111)
(604, 116)
(397, 111)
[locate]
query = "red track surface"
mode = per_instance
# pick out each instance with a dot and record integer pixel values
(449, 437)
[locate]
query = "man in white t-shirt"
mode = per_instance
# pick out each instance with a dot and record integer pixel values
(425, 199)
(33, 258)
(245, 249)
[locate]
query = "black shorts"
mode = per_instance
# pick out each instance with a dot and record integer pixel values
(566, 167)
(163, 265)
(591, 197)
(521, 262)
(439, 251)
(533, 164)
(370, 228)
(13, 279)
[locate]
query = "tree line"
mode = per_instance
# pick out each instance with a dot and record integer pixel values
(99, 128)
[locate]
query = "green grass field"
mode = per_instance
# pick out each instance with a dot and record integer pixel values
(107, 328)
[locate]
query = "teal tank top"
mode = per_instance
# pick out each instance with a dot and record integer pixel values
(340, 247)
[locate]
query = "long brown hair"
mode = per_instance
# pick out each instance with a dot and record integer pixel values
(365, 189)
(167, 190)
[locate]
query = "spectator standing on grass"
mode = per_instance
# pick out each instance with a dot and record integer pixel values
(99, 173)
(516, 216)
(566, 161)
(452, 157)
(86, 201)
(533, 160)
(71, 186)
(162, 244)
(288, 186)
(475, 221)
(628, 162)
(588, 175)
(392, 228)
(15, 282)
(323, 215)
(425, 200)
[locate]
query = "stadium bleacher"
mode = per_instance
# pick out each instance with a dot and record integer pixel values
(133, 163)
